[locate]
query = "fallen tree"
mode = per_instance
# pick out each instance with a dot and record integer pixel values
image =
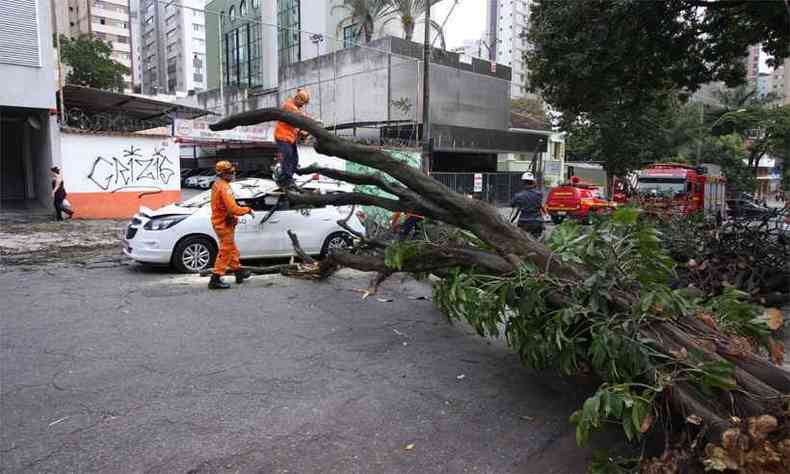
(595, 301)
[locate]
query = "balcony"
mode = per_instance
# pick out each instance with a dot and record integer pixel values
(114, 14)
(113, 30)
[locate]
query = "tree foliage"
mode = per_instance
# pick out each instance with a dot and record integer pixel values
(366, 15)
(591, 54)
(90, 63)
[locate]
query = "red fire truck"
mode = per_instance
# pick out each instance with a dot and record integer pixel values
(682, 189)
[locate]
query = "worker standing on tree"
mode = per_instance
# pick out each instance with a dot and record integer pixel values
(529, 202)
(287, 136)
(224, 217)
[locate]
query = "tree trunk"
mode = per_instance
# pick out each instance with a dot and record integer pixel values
(761, 386)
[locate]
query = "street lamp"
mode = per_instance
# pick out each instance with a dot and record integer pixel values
(317, 40)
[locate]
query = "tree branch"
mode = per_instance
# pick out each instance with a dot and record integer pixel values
(345, 199)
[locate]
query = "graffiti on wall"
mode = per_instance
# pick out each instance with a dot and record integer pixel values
(132, 170)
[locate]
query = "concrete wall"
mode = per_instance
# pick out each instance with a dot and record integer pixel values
(105, 175)
(32, 87)
(360, 84)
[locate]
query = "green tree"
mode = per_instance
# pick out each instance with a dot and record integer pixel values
(765, 129)
(407, 12)
(363, 14)
(90, 63)
(729, 152)
(590, 54)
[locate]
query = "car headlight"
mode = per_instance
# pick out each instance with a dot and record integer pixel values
(162, 223)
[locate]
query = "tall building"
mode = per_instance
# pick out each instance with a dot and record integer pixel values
(507, 23)
(137, 50)
(248, 41)
(752, 63)
(108, 20)
(173, 39)
(778, 84)
(28, 123)
(470, 48)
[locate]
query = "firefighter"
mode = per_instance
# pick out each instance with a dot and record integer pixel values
(529, 202)
(286, 137)
(224, 217)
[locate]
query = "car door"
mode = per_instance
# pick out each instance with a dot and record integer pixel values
(258, 235)
(309, 223)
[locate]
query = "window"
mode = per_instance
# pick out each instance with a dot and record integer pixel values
(198, 44)
(349, 36)
(102, 21)
(256, 3)
(232, 14)
(243, 8)
(197, 27)
(197, 77)
(149, 20)
(289, 44)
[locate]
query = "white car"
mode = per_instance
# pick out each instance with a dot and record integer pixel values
(181, 234)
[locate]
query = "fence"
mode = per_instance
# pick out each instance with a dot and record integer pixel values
(498, 188)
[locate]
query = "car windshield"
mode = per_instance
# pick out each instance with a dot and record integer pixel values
(661, 186)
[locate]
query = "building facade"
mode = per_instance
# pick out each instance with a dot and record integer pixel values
(173, 39)
(29, 133)
(507, 23)
(108, 20)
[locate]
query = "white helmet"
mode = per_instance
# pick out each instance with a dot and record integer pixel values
(527, 176)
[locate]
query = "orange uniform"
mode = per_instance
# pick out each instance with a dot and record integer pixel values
(224, 212)
(285, 132)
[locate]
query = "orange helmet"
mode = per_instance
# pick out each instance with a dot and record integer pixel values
(224, 167)
(302, 95)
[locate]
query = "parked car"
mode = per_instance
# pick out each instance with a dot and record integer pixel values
(186, 173)
(181, 234)
(747, 209)
(576, 200)
(192, 181)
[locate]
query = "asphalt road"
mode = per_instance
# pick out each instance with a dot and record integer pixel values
(120, 368)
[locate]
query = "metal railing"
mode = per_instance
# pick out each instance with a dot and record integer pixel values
(497, 188)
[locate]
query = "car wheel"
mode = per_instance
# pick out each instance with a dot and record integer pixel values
(335, 242)
(557, 220)
(194, 254)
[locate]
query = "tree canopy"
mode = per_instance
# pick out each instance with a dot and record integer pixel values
(592, 54)
(90, 63)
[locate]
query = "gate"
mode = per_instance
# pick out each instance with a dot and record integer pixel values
(498, 188)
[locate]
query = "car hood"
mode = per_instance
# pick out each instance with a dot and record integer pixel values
(169, 210)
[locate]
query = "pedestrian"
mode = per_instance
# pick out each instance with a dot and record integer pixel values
(529, 202)
(224, 217)
(59, 194)
(286, 136)
(408, 226)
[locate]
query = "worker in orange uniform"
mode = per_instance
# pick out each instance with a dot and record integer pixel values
(224, 217)
(286, 137)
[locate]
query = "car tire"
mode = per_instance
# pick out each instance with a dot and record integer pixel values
(336, 241)
(194, 254)
(557, 220)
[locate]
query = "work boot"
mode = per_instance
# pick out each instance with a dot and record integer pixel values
(216, 283)
(242, 275)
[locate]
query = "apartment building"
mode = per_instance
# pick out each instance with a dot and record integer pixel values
(248, 41)
(507, 24)
(29, 132)
(173, 46)
(108, 20)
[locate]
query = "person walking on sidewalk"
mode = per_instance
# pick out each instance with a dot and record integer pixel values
(224, 217)
(59, 194)
(286, 136)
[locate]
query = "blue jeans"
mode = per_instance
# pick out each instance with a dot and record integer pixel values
(290, 162)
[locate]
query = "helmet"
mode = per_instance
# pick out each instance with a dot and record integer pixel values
(224, 167)
(302, 95)
(527, 176)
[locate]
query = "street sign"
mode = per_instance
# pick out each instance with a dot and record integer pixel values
(478, 183)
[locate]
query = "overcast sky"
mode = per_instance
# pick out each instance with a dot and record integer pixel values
(466, 22)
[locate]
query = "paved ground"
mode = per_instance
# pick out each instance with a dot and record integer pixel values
(112, 367)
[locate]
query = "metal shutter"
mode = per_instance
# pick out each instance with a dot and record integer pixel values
(19, 41)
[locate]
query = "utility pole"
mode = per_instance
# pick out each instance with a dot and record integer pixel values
(317, 40)
(426, 95)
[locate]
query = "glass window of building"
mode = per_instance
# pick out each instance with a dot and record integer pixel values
(349, 35)
(256, 3)
(289, 44)
(232, 14)
(243, 8)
